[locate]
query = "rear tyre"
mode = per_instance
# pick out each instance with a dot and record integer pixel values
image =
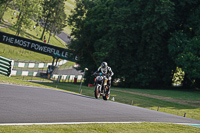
(97, 91)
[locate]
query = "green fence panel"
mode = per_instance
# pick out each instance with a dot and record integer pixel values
(3, 69)
(3, 73)
(4, 62)
(16, 64)
(19, 73)
(68, 77)
(30, 73)
(36, 64)
(26, 64)
(5, 66)
(45, 64)
(5, 59)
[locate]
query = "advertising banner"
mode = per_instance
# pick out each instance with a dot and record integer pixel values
(36, 46)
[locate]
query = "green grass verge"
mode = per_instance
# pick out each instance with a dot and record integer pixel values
(31, 78)
(16, 53)
(43, 79)
(103, 128)
(175, 93)
(11, 80)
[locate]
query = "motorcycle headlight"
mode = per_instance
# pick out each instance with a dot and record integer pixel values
(99, 78)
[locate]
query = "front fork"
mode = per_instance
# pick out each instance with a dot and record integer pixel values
(99, 86)
(102, 89)
(105, 88)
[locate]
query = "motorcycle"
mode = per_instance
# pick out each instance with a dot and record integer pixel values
(101, 86)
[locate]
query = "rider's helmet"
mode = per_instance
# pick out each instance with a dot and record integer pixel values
(104, 65)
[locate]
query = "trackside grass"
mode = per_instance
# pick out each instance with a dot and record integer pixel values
(10, 80)
(103, 128)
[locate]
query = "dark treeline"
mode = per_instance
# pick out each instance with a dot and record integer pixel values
(144, 41)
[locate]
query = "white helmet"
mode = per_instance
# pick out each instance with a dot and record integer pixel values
(104, 65)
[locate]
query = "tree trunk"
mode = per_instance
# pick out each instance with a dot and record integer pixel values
(19, 26)
(197, 84)
(49, 37)
(18, 29)
(44, 29)
(19, 16)
(18, 19)
(51, 31)
(187, 83)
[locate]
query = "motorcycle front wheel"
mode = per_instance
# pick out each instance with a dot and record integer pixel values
(107, 96)
(97, 91)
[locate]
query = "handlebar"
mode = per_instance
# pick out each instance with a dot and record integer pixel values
(100, 74)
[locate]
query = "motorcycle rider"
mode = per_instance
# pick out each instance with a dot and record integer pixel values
(106, 70)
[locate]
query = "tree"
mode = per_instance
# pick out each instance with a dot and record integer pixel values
(46, 14)
(53, 18)
(185, 53)
(83, 44)
(57, 20)
(184, 42)
(3, 2)
(130, 35)
(29, 9)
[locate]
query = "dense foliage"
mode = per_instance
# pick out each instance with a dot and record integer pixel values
(142, 41)
(48, 13)
(184, 42)
(53, 16)
(28, 9)
(3, 2)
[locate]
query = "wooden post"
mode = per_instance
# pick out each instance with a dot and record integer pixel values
(158, 108)
(184, 114)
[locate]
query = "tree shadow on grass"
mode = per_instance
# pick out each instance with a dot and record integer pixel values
(28, 35)
(148, 102)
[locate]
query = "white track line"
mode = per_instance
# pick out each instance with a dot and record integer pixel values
(69, 123)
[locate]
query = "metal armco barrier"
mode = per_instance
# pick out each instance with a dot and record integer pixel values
(6, 66)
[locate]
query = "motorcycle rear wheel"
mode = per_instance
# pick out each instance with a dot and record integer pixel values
(97, 92)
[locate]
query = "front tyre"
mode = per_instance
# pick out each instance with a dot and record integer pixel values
(97, 91)
(107, 95)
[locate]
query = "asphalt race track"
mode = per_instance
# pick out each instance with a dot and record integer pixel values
(20, 104)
